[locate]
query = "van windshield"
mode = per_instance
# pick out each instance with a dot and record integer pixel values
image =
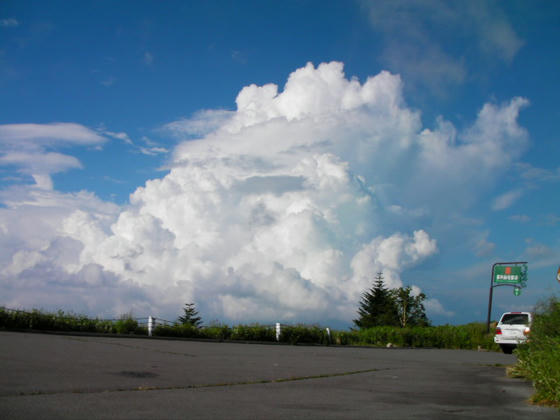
(515, 319)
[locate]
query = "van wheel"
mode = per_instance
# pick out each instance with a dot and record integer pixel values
(507, 348)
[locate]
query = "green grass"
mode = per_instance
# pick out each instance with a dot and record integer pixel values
(61, 321)
(539, 359)
(304, 334)
(253, 332)
(470, 336)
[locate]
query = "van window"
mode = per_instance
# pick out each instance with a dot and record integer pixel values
(515, 319)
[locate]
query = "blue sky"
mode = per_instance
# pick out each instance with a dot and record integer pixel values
(266, 159)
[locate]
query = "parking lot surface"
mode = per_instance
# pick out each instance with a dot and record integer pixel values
(87, 377)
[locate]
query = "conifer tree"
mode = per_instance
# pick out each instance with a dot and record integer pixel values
(190, 316)
(377, 307)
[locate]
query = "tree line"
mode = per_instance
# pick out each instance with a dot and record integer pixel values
(380, 306)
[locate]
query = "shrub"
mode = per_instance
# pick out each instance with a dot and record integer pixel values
(14, 319)
(253, 332)
(217, 331)
(343, 338)
(126, 325)
(178, 330)
(303, 334)
(539, 358)
(59, 321)
(469, 336)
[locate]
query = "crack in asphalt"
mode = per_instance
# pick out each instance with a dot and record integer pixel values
(132, 347)
(198, 386)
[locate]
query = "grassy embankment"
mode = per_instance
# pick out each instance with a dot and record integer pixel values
(470, 336)
(539, 359)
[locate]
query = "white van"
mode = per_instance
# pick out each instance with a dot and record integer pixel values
(513, 329)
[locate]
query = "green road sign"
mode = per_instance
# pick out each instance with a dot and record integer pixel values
(509, 274)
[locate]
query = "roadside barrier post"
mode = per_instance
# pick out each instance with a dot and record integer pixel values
(150, 325)
(278, 330)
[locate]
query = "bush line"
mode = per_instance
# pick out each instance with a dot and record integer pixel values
(60, 321)
(470, 336)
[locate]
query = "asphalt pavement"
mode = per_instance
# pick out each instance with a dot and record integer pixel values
(83, 377)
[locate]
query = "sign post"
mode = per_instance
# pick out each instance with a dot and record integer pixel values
(506, 274)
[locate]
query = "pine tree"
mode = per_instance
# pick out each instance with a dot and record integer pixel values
(377, 307)
(190, 316)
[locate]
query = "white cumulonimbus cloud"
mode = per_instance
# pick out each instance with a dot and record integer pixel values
(284, 209)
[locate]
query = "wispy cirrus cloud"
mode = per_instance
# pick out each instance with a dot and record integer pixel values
(200, 124)
(521, 218)
(29, 147)
(55, 133)
(506, 200)
(148, 58)
(541, 255)
(239, 56)
(496, 35)
(420, 38)
(152, 148)
(552, 219)
(109, 81)
(530, 173)
(153, 151)
(429, 64)
(482, 246)
(119, 136)
(9, 23)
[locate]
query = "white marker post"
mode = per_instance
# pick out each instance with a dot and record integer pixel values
(278, 331)
(150, 325)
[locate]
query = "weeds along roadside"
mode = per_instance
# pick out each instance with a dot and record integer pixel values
(470, 336)
(539, 359)
(60, 321)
